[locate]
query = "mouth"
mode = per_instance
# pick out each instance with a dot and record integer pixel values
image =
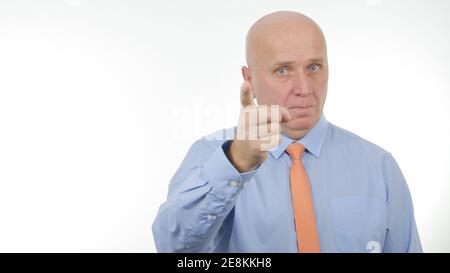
(300, 107)
(301, 111)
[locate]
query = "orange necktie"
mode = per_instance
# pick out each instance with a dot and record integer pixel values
(302, 203)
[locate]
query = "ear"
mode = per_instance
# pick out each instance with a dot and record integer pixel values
(247, 76)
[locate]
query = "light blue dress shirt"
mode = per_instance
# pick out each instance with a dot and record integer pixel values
(361, 199)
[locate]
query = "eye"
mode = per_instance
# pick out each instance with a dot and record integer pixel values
(314, 67)
(281, 71)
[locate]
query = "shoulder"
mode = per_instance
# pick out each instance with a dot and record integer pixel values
(351, 142)
(356, 151)
(204, 146)
(200, 152)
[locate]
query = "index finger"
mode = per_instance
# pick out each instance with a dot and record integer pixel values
(247, 95)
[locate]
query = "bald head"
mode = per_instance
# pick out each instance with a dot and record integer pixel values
(271, 30)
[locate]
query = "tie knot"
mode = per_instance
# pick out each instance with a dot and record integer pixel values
(295, 151)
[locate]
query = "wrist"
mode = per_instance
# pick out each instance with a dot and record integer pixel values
(238, 160)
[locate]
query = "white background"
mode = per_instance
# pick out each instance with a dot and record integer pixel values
(100, 101)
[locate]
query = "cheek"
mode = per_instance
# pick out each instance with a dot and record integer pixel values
(278, 96)
(269, 93)
(319, 91)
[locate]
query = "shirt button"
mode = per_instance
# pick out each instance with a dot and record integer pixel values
(233, 184)
(211, 217)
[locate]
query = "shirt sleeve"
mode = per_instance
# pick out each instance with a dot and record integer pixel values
(201, 196)
(402, 234)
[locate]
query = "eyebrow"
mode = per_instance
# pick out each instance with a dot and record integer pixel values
(313, 60)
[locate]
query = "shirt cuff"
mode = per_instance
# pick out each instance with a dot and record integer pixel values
(225, 178)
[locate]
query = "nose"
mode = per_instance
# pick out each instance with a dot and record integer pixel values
(301, 85)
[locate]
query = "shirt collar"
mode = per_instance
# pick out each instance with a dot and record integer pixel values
(312, 141)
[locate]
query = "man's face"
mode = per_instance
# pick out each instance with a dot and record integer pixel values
(289, 68)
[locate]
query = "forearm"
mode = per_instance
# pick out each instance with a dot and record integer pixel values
(196, 209)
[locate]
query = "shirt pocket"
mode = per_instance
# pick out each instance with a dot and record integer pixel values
(360, 223)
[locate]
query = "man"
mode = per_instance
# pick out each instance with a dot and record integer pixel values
(314, 188)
